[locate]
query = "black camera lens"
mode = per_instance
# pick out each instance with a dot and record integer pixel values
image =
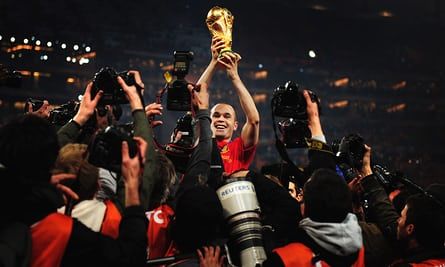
(289, 102)
(351, 150)
(106, 80)
(102, 111)
(35, 104)
(294, 132)
(105, 151)
(61, 115)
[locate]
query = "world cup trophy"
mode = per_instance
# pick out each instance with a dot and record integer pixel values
(220, 23)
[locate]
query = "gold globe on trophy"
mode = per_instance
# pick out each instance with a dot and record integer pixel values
(220, 23)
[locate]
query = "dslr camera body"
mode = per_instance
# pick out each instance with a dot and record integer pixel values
(61, 115)
(182, 143)
(36, 104)
(58, 116)
(106, 80)
(349, 154)
(105, 151)
(288, 101)
(178, 96)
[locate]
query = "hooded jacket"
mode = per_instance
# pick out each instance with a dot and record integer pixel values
(333, 244)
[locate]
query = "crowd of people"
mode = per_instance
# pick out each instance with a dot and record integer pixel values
(72, 197)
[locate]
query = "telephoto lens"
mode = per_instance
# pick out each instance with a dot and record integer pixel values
(242, 213)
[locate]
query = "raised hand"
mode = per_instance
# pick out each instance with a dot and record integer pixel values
(230, 61)
(217, 45)
(57, 179)
(366, 167)
(132, 91)
(211, 258)
(313, 116)
(87, 105)
(42, 112)
(151, 110)
(131, 171)
(200, 96)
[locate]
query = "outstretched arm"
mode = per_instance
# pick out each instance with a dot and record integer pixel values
(70, 131)
(320, 154)
(142, 129)
(216, 46)
(198, 167)
(251, 129)
(380, 209)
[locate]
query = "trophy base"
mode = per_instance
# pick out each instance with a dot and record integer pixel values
(223, 51)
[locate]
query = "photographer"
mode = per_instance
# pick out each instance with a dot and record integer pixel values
(377, 250)
(71, 131)
(419, 231)
(195, 207)
(238, 153)
(143, 129)
(320, 154)
(58, 239)
(329, 234)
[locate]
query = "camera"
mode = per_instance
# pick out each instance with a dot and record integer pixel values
(182, 142)
(62, 114)
(289, 102)
(389, 180)
(106, 80)
(350, 150)
(178, 96)
(242, 213)
(10, 78)
(349, 154)
(294, 132)
(106, 149)
(36, 104)
(185, 125)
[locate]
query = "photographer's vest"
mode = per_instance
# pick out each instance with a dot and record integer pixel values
(297, 254)
(430, 263)
(49, 240)
(112, 219)
(159, 241)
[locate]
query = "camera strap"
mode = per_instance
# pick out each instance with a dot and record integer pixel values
(281, 148)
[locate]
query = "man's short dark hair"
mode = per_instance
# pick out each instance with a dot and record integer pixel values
(428, 219)
(166, 182)
(198, 218)
(327, 197)
(29, 148)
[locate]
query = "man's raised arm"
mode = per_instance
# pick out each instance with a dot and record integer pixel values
(251, 129)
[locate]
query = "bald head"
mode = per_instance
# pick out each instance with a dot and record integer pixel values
(224, 106)
(223, 121)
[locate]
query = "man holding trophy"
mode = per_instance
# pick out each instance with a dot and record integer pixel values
(236, 154)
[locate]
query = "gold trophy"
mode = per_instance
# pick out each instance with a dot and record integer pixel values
(220, 23)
